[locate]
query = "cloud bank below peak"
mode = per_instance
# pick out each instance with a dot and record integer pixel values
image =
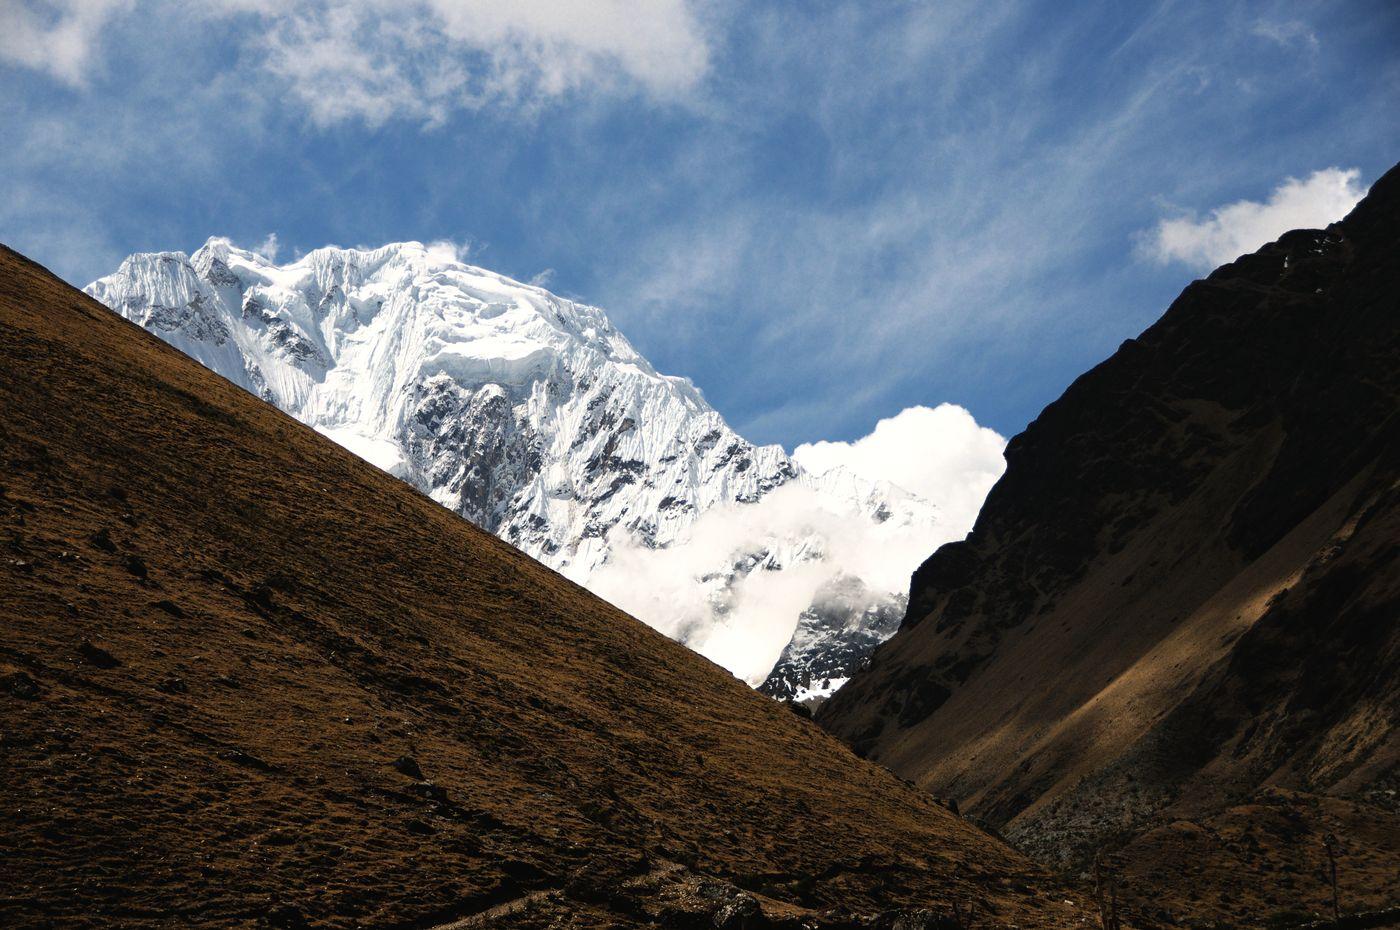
(939, 453)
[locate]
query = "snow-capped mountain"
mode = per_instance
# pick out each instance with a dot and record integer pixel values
(526, 413)
(834, 637)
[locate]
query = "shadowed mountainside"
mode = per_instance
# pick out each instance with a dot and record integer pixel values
(250, 680)
(1179, 604)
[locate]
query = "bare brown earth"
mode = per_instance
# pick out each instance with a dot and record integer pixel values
(247, 679)
(1172, 635)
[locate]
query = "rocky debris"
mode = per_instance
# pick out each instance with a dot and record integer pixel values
(173, 685)
(734, 909)
(246, 759)
(137, 566)
(97, 656)
(673, 895)
(407, 765)
(909, 919)
(102, 539)
(429, 791)
(603, 877)
(668, 894)
(19, 684)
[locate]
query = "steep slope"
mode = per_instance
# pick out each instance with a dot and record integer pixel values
(1184, 588)
(527, 413)
(249, 680)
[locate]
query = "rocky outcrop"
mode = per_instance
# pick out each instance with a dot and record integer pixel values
(834, 638)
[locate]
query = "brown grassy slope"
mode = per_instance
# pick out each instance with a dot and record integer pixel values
(1187, 584)
(218, 630)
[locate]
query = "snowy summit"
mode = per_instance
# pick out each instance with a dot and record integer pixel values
(533, 417)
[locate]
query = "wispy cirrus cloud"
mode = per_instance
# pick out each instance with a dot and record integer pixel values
(871, 254)
(373, 61)
(1238, 228)
(367, 60)
(1290, 33)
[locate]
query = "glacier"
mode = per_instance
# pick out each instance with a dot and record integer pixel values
(532, 416)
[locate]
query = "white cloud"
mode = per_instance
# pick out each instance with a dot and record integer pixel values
(814, 537)
(268, 248)
(448, 251)
(657, 42)
(1242, 227)
(418, 60)
(1289, 34)
(938, 453)
(55, 36)
(376, 60)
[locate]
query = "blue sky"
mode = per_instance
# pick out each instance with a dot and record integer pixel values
(822, 213)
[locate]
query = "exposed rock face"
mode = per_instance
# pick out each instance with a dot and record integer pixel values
(834, 638)
(388, 717)
(1186, 584)
(527, 413)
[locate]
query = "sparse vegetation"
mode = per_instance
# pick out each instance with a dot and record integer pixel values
(1106, 896)
(1329, 842)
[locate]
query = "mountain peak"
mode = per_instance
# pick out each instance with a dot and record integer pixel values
(525, 412)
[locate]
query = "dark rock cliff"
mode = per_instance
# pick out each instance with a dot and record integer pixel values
(1185, 586)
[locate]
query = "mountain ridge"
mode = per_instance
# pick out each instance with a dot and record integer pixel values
(250, 680)
(525, 412)
(1177, 596)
